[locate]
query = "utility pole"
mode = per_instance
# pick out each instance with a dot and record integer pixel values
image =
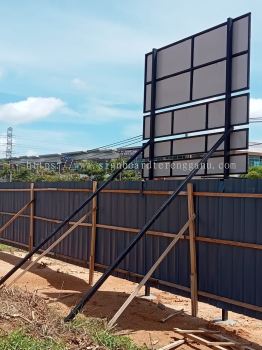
(9, 149)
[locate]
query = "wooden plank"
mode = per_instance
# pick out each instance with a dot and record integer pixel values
(192, 331)
(148, 192)
(192, 248)
(136, 230)
(14, 189)
(93, 237)
(173, 345)
(9, 222)
(230, 301)
(230, 243)
(53, 245)
(206, 342)
(228, 195)
(153, 233)
(31, 219)
(149, 273)
(55, 189)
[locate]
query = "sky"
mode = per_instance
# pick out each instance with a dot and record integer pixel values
(71, 71)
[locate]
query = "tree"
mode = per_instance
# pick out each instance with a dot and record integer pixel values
(254, 172)
(93, 170)
(23, 174)
(5, 171)
(129, 174)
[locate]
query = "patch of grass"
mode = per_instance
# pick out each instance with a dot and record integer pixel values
(18, 340)
(7, 248)
(97, 330)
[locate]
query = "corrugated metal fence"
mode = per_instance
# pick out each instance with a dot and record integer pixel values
(228, 233)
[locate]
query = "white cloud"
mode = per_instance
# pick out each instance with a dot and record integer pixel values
(105, 113)
(256, 108)
(79, 84)
(29, 110)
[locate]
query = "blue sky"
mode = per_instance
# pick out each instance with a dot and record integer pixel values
(71, 72)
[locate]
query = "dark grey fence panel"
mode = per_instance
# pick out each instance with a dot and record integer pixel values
(175, 268)
(226, 271)
(122, 210)
(223, 271)
(59, 205)
(11, 202)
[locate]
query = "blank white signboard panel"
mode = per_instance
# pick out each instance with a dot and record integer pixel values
(183, 167)
(238, 140)
(209, 80)
(239, 112)
(238, 165)
(161, 169)
(174, 59)
(197, 144)
(161, 149)
(240, 72)
(189, 145)
(207, 63)
(163, 125)
(241, 33)
(189, 119)
(214, 166)
(210, 46)
(201, 117)
(169, 91)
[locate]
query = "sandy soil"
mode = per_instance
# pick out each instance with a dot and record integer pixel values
(63, 284)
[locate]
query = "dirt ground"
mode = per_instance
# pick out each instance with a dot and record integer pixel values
(62, 284)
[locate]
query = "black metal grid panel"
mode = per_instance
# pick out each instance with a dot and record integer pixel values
(207, 106)
(205, 141)
(194, 68)
(170, 174)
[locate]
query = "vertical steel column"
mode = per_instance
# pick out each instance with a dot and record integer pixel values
(228, 112)
(152, 133)
(228, 97)
(152, 114)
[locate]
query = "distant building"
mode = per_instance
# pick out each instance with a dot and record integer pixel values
(255, 154)
(71, 160)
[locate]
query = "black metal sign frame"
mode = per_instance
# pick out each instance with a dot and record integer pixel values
(207, 108)
(226, 91)
(193, 68)
(205, 174)
(205, 150)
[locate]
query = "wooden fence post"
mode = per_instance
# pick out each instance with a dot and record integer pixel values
(192, 247)
(93, 237)
(31, 219)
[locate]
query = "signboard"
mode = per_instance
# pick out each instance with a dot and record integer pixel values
(238, 164)
(194, 68)
(201, 117)
(198, 144)
(197, 83)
